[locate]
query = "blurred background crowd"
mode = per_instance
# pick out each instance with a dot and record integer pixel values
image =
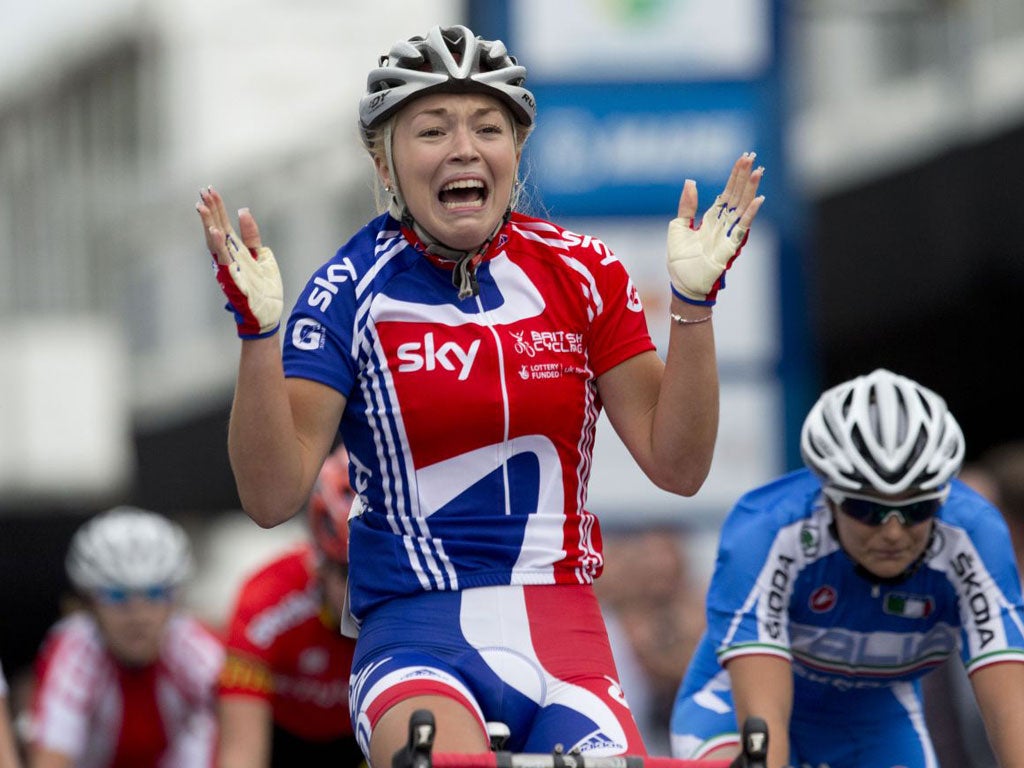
(893, 131)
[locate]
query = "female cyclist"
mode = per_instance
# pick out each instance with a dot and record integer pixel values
(838, 586)
(470, 451)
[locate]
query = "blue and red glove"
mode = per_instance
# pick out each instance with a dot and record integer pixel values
(698, 257)
(252, 284)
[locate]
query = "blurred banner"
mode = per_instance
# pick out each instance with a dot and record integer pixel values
(635, 96)
(65, 431)
(625, 150)
(642, 40)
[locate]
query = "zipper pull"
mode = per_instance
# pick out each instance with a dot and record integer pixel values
(464, 277)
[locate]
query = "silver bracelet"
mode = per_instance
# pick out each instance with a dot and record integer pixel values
(680, 320)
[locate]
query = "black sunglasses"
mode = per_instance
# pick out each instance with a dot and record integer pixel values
(874, 511)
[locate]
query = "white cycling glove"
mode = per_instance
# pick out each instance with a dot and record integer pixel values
(699, 257)
(252, 284)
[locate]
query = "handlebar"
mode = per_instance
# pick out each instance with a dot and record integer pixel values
(417, 753)
(523, 760)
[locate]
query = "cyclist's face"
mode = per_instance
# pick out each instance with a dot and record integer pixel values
(885, 550)
(455, 156)
(133, 628)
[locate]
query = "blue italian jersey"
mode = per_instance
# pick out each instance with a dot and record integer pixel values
(783, 586)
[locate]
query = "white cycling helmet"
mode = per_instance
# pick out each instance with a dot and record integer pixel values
(128, 548)
(447, 60)
(882, 433)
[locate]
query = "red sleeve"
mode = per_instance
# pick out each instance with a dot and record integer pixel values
(250, 649)
(619, 327)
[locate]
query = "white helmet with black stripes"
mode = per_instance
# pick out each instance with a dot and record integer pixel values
(882, 433)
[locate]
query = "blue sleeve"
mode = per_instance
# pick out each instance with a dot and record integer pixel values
(990, 590)
(747, 541)
(760, 557)
(320, 339)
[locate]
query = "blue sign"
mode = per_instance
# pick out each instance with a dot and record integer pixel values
(635, 98)
(626, 150)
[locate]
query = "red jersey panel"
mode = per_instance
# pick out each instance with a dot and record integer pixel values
(282, 648)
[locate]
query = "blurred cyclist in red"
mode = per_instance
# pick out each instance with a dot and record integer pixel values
(284, 689)
(130, 681)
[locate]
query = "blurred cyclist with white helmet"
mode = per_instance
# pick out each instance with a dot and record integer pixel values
(284, 689)
(129, 680)
(465, 351)
(838, 586)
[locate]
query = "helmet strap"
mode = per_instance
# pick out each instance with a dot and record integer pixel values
(464, 273)
(396, 206)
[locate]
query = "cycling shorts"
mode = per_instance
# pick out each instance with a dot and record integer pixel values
(536, 658)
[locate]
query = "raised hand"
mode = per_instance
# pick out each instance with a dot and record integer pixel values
(246, 270)
(698, 257)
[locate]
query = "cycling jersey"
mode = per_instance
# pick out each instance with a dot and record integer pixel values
(858, 647)
(284, 648)
(469, 426)
(469, 423)
(105, 715)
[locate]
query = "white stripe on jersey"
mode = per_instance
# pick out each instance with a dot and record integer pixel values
(522, 300)
(905, 695)
(387, 431)
(596, 303)
(387, 248)
(981, 618)
(531, 230)
(390, 429)
(590, 558)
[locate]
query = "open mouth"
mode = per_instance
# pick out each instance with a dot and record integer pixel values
(464, 193)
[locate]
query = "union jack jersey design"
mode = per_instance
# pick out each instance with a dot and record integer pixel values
(783, 586)
(104, 715)
(282, 650)
(469, 423)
